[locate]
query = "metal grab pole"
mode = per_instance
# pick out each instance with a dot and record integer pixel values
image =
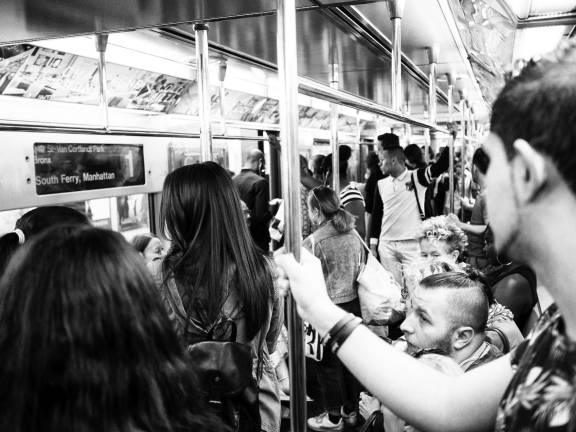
(201, 39)
(222, 92)
(451, 143)
(432, 105)
(463, 107)
(288, 74)
(101, 44)
(334, 81)
(396, 8)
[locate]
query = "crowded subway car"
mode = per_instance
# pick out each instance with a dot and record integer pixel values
(287, 215)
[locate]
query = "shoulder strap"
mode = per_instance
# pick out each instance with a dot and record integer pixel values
(313, 243)
(422, 217)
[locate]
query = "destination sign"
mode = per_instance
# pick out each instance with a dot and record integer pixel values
(60, 168)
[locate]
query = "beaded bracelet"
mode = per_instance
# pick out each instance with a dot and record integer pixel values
(337, 327)
(336, 340)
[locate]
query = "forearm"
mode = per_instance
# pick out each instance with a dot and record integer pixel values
(423, 397)
(474, 229)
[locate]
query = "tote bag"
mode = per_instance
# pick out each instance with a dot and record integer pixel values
(379, 294)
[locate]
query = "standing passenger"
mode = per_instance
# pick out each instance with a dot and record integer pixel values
(254, 192)
(350, 197)
(340, 250)
(399, 207)
(214, 275)
(85, 344)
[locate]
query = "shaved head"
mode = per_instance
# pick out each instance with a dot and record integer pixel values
(255, 155)
(468, 304)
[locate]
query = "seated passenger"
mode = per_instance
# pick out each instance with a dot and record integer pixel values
(215, 282)
(149, 246)
(86, 345)
(441, 239)
(34, 222)
(448, 312)
(514, 286)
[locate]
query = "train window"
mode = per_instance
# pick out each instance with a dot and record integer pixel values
(127, 214)
(8, 219)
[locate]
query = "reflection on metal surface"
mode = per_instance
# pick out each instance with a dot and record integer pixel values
(27, 20)
(288, 74)
(561, 19)
(202, 59)
(321, 91)
(364, 69)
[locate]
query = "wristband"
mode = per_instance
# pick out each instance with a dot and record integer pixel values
(336, 328)
(336, 341)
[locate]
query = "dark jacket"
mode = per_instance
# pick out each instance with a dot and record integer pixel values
(255, 193)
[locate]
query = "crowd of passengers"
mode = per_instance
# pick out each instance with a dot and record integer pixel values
(100, 335)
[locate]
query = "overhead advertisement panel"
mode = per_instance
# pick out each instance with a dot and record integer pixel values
(61, 168)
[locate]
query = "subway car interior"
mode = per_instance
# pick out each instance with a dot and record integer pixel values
(100, 101)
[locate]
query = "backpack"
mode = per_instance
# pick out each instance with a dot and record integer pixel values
(224, 366)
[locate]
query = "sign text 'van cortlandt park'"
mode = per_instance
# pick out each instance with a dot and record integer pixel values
(65, 167)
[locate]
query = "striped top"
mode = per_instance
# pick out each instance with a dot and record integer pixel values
(350, 193)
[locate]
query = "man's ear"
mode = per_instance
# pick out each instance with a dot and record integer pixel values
(461, 337)
(530, 171)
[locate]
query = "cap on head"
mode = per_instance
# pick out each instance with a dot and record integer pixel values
(389, 141)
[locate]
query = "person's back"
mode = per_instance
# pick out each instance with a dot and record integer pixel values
(86, 345)
(253, 189)
(213, 271)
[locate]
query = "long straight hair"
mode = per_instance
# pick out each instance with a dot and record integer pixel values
(86, 344)
(212, 253)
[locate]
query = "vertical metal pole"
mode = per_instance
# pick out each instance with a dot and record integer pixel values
(396, 8)
(101, 44)
(222, 92)
(359, 147)
(288, 74)
(334, 81)
(451, 143)
(201, 39)
(463, 154)
(426, 145)
(433, 60)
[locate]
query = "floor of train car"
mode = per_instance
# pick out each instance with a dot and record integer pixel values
(314, 407)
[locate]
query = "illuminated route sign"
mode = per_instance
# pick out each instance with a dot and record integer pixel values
(68, 167)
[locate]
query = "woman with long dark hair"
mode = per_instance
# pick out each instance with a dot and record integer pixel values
(341, 251)
(85, 343)
(214, 273)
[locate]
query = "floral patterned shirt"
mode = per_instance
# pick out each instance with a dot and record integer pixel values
(541, 395)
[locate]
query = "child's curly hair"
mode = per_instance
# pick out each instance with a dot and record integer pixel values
(441, 228)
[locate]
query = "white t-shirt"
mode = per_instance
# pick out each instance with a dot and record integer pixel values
(401, 217)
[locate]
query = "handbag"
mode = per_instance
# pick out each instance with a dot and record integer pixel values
(313, 344)
(223, 365)
(379, 294)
